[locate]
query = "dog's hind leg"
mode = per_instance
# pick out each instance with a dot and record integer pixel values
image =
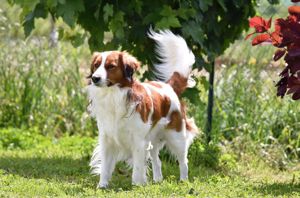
(178, 145)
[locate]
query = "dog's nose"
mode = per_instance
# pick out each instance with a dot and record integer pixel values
(96, 79)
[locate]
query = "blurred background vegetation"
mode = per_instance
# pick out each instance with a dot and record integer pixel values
(42, 92)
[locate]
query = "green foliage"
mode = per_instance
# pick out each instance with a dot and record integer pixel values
(43, 88)
(22, 139)
(203, 154)
(209, 26)
(257, 113)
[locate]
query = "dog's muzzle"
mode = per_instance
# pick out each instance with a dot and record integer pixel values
(96, 79)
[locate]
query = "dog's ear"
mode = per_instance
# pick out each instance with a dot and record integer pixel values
(96, 60)
(130, 64)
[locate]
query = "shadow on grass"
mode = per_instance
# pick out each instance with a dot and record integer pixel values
(77, 171)
(277, 189)
(65, 170)
(60, 169)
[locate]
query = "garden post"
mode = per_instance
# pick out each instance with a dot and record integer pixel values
(210, 102)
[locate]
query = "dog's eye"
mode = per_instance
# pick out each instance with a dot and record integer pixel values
(110, 67)
(96, 66)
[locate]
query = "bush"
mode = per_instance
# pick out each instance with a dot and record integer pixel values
(43, 87)
(12, 138)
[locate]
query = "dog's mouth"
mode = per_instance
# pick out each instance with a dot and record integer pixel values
(107, 83)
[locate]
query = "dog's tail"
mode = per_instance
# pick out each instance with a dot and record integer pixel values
(176, 60)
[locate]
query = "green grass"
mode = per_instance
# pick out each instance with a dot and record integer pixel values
(59, 167)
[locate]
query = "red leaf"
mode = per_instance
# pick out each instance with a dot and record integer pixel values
(249, 35)
(294, 10)
(259, 24)
(293, 18)
(281, 90)
(295, 1)
(296, 96)
(281, 86)
(293, 89)
(256, 21)
(280, 24)
(293, 81)
(278, 54)
(261, 38)
(276, 39)
(285, 72)
(295, 51)
(294, 68)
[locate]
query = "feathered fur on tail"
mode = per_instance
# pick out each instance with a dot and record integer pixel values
(175, 57)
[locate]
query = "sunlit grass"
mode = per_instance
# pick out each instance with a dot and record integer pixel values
(59, 167)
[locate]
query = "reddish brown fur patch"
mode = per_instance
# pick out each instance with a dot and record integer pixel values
(139, 95)
(161, 106)
(115, 70)
(178, 83)
(188, 124)
(175, 121)
(96, 62)
(177, 117)
(130, 60)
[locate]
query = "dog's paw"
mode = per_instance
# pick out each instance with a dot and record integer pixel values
(139, 183)
(184, 180)
(102, 186)
(158, 179)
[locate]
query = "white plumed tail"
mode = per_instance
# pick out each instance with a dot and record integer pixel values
(173, 53)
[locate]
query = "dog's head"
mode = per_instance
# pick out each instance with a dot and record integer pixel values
(113, 68)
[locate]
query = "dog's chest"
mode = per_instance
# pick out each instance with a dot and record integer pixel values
(116, 118)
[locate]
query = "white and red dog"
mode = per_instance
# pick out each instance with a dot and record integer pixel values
(135, 120)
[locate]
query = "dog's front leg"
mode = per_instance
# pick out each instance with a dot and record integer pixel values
(156, 163)
(108, 162)
(139, 176)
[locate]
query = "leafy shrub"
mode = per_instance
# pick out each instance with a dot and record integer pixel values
(78, 144)
(246, 106)
(286, 38)
(12, 138)
(204, 154)
(43, 87)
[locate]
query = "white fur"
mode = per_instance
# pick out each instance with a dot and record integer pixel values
(123, 136)
(101, 72)
(173, 53)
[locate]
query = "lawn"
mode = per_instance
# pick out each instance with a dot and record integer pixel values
(59, 167)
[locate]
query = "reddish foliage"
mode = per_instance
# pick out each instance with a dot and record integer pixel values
(261, 38)
(286, 36)
(260, 24)
(278, 54)
(294, 10)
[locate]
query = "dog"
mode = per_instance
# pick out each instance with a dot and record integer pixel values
(136, 119)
